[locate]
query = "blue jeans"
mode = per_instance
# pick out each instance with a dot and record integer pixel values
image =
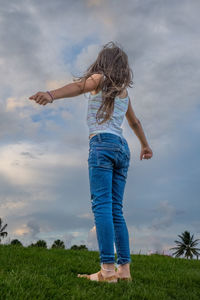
(108, 162)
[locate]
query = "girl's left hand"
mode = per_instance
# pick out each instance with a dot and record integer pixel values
(146, 153)
(41, 98)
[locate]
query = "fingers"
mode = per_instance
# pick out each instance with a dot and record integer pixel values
(40, 98)
(34, 97)
(42, 102)
(145, 155)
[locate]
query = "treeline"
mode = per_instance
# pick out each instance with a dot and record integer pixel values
(43, 244)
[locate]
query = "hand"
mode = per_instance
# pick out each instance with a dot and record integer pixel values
(41, 98)
(146, 153)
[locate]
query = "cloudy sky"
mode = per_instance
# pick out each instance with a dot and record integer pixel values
(44, 184)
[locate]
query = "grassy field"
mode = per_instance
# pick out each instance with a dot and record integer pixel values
(38, 273)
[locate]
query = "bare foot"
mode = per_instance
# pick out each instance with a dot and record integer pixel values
(123, 271)
(93, 276)
(106, 271)
(101, 276)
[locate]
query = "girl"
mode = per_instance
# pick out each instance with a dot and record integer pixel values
(107, 80)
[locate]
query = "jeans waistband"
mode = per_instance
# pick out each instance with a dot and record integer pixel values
(107, 137)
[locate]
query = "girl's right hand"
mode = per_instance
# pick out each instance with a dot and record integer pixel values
(146, 153)
(41, 98)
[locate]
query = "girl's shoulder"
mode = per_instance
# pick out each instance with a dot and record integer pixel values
(123, 94)
(97, 77)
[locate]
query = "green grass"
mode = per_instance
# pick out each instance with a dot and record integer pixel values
(37, 273)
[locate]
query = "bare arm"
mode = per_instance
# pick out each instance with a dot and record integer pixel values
(69, 90)
(135, 125)
(77, 88)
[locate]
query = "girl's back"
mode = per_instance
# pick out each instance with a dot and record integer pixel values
(113, 125)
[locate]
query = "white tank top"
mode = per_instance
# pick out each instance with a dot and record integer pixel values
(113, 125)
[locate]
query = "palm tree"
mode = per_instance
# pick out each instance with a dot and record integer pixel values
(186, 245)
(58, 244)
(2, 232)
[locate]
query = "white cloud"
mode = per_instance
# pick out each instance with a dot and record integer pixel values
(25, 163)
(91, 239)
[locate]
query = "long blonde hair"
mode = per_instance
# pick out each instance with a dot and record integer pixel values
(112, 63)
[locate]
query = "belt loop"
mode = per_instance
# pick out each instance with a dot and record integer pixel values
(99, 137)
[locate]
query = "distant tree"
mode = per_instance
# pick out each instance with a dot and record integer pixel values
(16, 242)
(2, 232)
(186, 246)
(58, 244)
(31, 245)
(74, 247)
(81, 247)
(41, 243)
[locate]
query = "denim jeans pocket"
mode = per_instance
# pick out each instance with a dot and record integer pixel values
(106, 156)
(102, 155)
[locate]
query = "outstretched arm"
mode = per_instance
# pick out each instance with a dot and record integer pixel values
(69, 90)
(77, 88)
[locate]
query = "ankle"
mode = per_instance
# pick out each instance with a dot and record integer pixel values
(107, 269)
(125, 268)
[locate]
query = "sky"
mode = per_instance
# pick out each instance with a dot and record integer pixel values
(44, 182)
